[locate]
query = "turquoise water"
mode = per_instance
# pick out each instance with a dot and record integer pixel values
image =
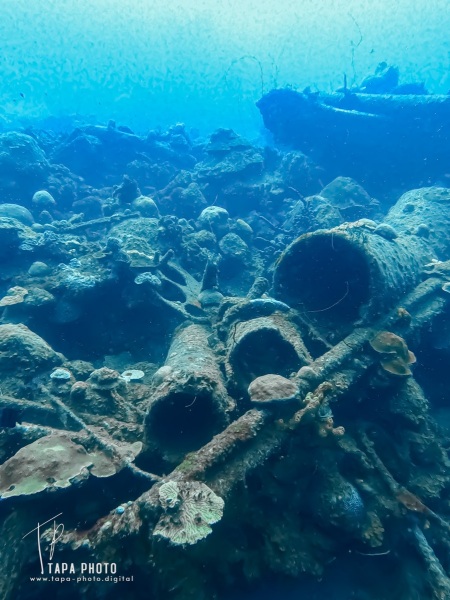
(151, 64)
(224, 300)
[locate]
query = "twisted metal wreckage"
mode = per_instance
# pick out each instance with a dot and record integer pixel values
(286, 430)
(262, 469)
(404, 132)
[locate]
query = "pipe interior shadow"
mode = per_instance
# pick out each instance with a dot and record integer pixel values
(262, 352)
(327, 277)
(182, 422)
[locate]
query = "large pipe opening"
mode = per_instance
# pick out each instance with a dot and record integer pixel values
(326, 277)
(261, 352)
(181, 422)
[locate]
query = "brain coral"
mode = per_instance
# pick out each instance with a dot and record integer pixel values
(190, 507)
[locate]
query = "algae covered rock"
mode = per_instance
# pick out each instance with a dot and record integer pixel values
(183, 198)
(23, 165)
(105, 379)
(299, 172)
(21, 349)
(190, 507)
(215, 219)
(337, 503)
(11, 235)
(39, 269)
(137, 237)
(322, 213)
(233, 246)
(146, 206)
(223, 141)
(43, 199)
(15, 211)
(352, 200)
(425, 210)
(272, 387)
(14, 295)
(237, 165)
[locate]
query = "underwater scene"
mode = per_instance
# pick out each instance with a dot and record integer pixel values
(225, 300)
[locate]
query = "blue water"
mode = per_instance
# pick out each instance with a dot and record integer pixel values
(149, 63)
